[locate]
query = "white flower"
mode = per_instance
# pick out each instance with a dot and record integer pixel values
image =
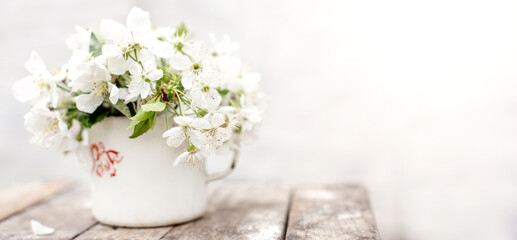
(69, 139)
(93, 82)
(249, 113)
(141, 73)
(113, 57)
(195, 157)
(79, 43)
(138, 31)
(39, 85)
(225, 46)
(188, 127)
(211, 88)
(192, 66)
(116, 93)
(204, 93)
(164, 33)
(230, 68)
(179, 39)
(246, 82)
(250, 82)
(231, 116)
(168, 34)
(49, 131)
(218, 133)
(231, 145)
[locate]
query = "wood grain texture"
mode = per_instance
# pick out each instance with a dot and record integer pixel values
(101, 231)
(21, 196)
(67, 213)
(331, 212)
(239, 211)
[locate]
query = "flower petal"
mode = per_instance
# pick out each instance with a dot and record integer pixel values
(183, 120)
(224, 134)
(175, 136)
(250, 82)
(63, 128)
(138, 20)
(180, 61)
(197, 50)
(141, 87)
(83, 83)
(155, 74)
(81, 40)
(217, 119)
(88, 102)
(114, 93)
(161, 49)
(182, 158)
(213, 99)
(111, 50)
(188, 79)
(131, 97)
(134, 68)
(36, 66)
(210, 78)
(40, 229)
(197, 138)
(147, 58)
(115, 31)
(117, 65)
(25, 89)
(200, 123)
(53, 94)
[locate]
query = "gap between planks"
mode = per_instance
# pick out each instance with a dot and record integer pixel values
(337, 211)
(235, 211)
(239, 211)
(66, 212)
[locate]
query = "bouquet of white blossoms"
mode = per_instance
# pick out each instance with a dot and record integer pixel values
(143, 73)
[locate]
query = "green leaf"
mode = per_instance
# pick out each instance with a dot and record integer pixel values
(223, 92)
(122, 108)
(152, 120)
(145, 118)
(141, 116)
(88, 120)
(153, 107)
(140, 129)
(132, 124)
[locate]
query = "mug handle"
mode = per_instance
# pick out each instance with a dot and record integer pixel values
(224, 173)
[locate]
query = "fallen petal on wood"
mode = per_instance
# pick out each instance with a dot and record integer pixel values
(40, 229)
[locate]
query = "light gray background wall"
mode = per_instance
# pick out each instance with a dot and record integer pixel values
(416, 100)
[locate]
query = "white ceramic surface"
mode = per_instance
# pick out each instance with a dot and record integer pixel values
(134, 182)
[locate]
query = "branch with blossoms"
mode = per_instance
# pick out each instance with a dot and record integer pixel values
(143, 73)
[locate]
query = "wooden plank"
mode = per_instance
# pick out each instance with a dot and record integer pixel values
(21, 196)
(331, 212)
(239, 211)
(67, 213)
(101, 231)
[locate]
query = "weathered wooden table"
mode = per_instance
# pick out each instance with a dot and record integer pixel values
(235, 211)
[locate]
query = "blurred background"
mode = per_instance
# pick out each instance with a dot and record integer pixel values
(414, 99)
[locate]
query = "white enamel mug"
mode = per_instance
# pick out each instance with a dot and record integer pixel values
(134, 182)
